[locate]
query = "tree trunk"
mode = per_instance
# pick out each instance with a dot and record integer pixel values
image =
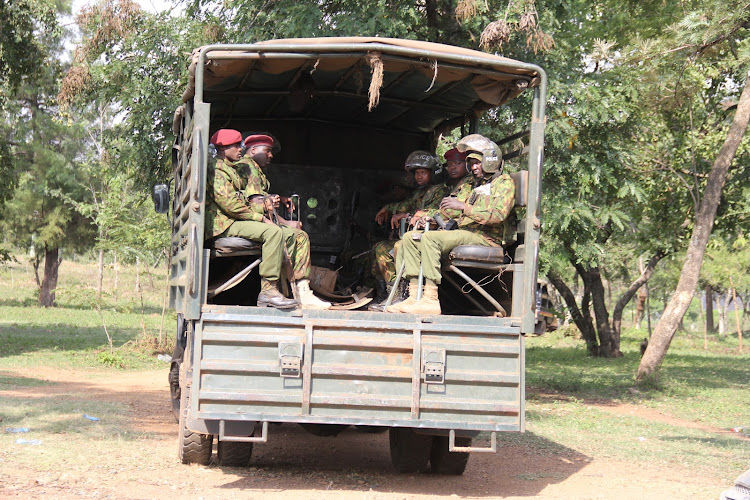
(704, 221)
(709, 309)
(582, 319)
(35, 262)
(114, 267)
(137, 274)
(637, 285)
(49, 280)
(723, 306)
(609, 346)
(640, 307)
(100, 275)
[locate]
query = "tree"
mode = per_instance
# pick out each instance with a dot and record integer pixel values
(719, 33)
(26, 24)
(42, 149)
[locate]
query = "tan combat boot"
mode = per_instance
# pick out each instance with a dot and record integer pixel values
(428, 304)
(410, 298)
(270, 296)
(307, 298)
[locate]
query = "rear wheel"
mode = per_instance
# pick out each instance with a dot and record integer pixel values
(448, 462)
(234, 454)
(174, 388)
(194, 448)
(410, 452)
(174, 369)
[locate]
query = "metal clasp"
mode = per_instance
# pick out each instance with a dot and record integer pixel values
(433, 366)
(290, 359)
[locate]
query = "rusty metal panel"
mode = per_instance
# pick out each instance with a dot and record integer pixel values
(358, 368)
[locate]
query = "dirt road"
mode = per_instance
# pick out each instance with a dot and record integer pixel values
(293, 464)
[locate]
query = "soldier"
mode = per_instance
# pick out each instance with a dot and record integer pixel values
(237, 206)
(482, 214)
(422, 166)
(459, 184)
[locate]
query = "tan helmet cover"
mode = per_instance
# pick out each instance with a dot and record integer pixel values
(492, 157)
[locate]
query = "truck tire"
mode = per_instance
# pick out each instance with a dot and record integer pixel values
(174, 368)
(447, 462)
(174, 388)
(234, 454)
(410, 452)
(194, 448)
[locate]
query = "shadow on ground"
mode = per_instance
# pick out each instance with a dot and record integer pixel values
(354, 461)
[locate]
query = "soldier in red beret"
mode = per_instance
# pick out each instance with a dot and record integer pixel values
(238, 204)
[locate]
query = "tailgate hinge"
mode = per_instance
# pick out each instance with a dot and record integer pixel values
(290, 359)
(433, 366)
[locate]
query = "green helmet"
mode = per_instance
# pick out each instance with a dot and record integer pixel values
(422, 159)
(492, 157)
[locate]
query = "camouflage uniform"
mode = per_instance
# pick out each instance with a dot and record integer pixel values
(235, 207)
(462, 191)
(424, 198)
(481, 223)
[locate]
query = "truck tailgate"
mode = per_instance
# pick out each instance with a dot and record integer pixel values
(351, 367)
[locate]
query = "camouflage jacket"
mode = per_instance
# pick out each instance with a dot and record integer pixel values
(462, 190)
(230, 186)
(423, 198)
(489, 205)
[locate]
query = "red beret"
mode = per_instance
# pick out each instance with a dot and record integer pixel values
(454, 154)
(258, 140)
(226, 137)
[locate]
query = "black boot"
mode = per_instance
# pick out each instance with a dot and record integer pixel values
(383, 290)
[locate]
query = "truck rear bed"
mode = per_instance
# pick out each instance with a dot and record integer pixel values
(349, 367)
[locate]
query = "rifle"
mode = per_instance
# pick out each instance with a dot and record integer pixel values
(287, 260)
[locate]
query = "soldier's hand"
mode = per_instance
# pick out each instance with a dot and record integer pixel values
(381, 216)
(420, 222)
(396, 219)
(275, 200)
(452, 203)
(267, 220)
(287, 201)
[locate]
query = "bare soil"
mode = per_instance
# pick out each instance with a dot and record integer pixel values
(296, 464)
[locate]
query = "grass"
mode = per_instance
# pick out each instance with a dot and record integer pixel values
(568, 394)
(74, 334)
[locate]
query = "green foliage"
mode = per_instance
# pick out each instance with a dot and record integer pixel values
(27, 24)
(133, 65)
(727, 265)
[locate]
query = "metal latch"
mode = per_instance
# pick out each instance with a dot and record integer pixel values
(290, 359)
(433, 366)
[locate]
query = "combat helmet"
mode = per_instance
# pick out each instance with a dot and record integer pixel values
(423, 159)
(492, 157)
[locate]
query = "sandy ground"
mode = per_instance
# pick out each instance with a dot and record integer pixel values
(296, 464)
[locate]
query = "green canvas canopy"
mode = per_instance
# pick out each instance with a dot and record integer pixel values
(394, 85)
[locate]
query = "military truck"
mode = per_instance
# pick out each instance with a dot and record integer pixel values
(346, 112)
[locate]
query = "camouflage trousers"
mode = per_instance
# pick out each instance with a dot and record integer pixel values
(271, 237)
(427, 251)
(383, 263)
